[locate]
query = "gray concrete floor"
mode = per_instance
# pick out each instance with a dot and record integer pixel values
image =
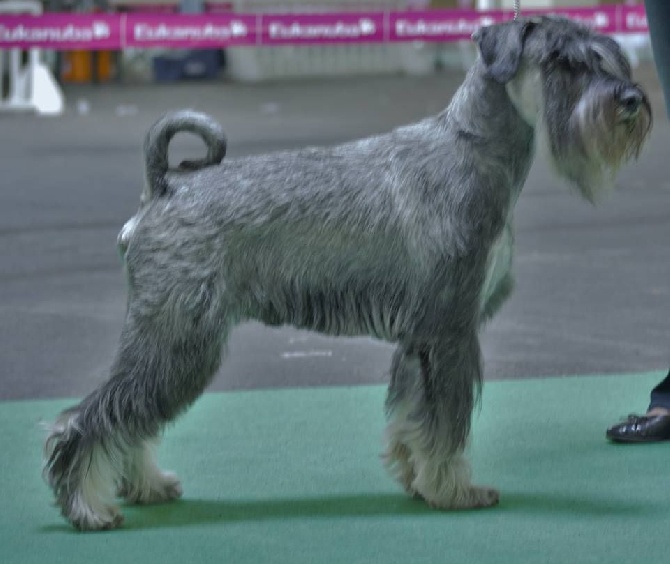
(593, 284)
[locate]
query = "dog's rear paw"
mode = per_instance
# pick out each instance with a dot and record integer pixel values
(82, 475)
(161, 488)
(87, 518)
(171, 488)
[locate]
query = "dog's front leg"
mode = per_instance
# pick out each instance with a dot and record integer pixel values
(429, 407)
(435, 375)
(499, 281)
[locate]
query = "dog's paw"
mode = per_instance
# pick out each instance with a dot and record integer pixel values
(87, 518)
(482, 496)
(472, 497)
(161, 488)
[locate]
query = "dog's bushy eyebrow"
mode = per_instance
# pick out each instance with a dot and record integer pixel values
(593, 55)
(584, 49)
(610, 57)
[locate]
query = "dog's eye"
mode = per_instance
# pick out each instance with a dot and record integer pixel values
(597, 60)
(567, 64)
(558, 60)
(561, 62)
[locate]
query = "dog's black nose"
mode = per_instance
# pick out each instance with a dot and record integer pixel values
(630, 101)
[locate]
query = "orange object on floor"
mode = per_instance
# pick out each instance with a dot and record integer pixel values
(78, 66)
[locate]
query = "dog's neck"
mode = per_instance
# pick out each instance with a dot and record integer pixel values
(483, 111)
(482, 106)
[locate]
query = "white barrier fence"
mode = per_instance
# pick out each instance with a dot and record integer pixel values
(30, 84)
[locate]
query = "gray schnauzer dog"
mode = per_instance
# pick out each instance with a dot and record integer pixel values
(405, 237)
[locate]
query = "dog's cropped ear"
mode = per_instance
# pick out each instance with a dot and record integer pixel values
(501, 47)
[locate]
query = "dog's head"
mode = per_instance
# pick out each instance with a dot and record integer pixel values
(576, 87)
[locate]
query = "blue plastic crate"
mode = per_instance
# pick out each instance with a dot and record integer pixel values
(197, 64)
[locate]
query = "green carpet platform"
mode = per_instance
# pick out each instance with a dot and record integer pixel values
(294, 476)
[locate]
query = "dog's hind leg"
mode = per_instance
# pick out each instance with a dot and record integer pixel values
(101, 444)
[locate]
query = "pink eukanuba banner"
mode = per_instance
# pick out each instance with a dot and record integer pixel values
(219, 30)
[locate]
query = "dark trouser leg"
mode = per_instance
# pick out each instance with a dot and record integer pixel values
(660, 395)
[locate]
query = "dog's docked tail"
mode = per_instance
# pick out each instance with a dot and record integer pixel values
(157, 142)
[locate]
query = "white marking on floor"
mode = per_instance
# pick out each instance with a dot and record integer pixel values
(304, 354)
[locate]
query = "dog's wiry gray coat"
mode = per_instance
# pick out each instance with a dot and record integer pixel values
(405, 237)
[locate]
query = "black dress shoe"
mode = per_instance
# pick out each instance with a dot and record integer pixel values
(641, 429)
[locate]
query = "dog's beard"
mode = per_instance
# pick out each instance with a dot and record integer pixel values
(597, 141)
